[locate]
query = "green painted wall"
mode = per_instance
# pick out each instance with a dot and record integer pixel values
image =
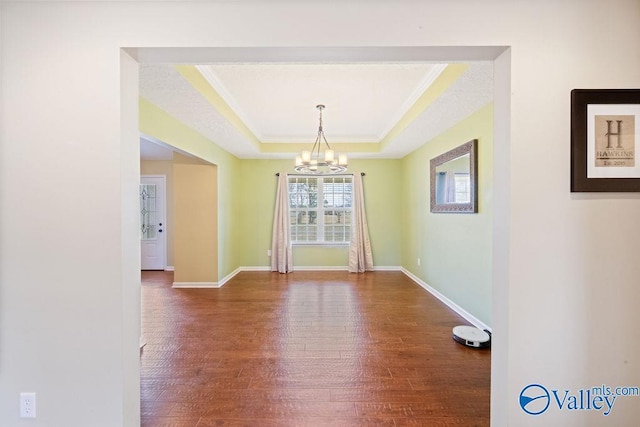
(158, 124)
(454, 249)
(256, 198)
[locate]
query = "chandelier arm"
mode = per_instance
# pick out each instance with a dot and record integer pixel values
(319, 147)
(312, 153)
(316, 148)
(325, 142)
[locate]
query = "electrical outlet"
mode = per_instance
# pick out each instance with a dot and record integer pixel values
(268, 252)
(27, 405)
(418, 262)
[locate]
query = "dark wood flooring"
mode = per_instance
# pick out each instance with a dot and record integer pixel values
(306, 349)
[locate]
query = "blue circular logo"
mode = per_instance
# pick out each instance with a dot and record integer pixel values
(534, 399)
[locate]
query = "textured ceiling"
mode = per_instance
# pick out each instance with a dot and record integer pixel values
(276, 102)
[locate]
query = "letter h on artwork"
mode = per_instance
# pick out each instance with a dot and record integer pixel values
(610, 134)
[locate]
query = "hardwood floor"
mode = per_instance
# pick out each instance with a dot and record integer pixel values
(306, 349)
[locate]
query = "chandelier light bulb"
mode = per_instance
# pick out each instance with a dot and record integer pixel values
(306, 157)
(328, 156)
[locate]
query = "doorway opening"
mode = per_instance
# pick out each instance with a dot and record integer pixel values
(500, 233)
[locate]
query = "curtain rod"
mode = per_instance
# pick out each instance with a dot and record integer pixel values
(327, 174)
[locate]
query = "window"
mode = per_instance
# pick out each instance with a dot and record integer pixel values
(320, 209)
(463, 184)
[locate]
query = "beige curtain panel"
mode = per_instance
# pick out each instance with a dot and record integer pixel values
(281, 253)
(360, 256)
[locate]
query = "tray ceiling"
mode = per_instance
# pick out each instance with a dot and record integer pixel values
(275, 104)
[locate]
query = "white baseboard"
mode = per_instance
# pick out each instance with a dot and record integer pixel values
(320, 268)
(452, 305)
(387, 268)
(198, 285)
(342, 268)
(231, 275)
(169, 268)
(228, 277)
(255, 268)
(323, 268)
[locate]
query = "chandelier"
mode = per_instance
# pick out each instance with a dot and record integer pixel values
(315, 162)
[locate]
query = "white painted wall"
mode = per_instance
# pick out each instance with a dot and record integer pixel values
(566, 269)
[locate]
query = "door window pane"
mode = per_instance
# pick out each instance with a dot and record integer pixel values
(148, 228)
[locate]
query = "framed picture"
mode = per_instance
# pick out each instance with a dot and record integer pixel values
(605, 140)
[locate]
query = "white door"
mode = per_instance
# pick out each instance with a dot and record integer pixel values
(153, 240)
